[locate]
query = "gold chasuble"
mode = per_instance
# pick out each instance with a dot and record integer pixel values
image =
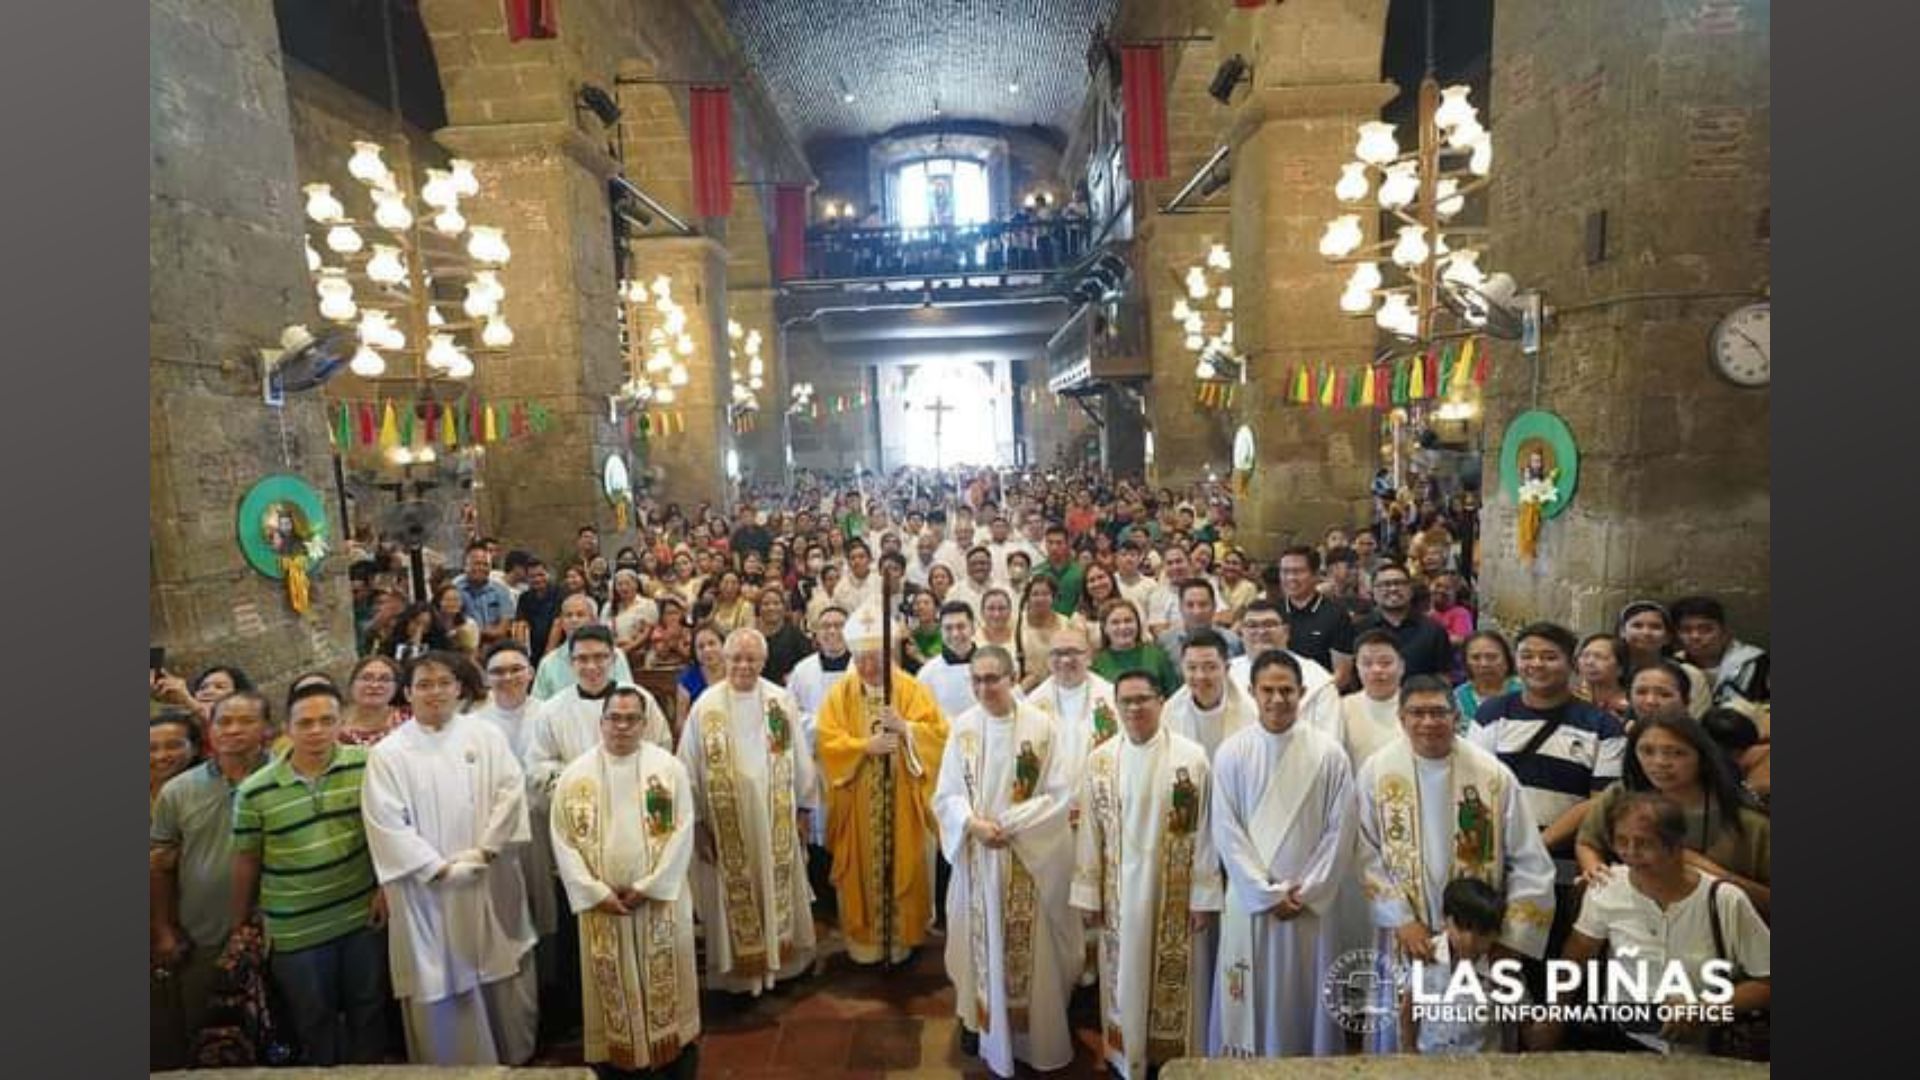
(856, 826)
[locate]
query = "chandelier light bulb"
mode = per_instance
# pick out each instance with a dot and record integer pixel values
(1219, 258)
(365, 164)
(390, 210)
(439, 191)
(1225, 299)
(664, 395)
(1197, 288)
(1352, 186)
(663, 287)
(753, 341)
(1181, 310)
(434, 318)
(1466, 135)
(336, 295)
(1400, 187)
(1365, 277)
(461, 366)
(1396, 316)
(465, 183)
(441, 352)
(480, 302)
(1204, 369)
(1446, 198)
(1356, 301)
(1226, 335)
(683, 345)
(1411, 249)
(373, 327)
(660, 361)
(1343, 237)
(735, 330)
(756, 383)
(322, 207)
(1194, 342)
(1376, 145)
(313, 258)
(1454, 108)
(449, 222)
(1482, 161)
(489, 280)
(488, 245)
(497, 335)
(367, 364)
(1463, 268)
(756, 367)
(385, 267)
(344, 239)
(675, 321)
(1194, 324)
(678, 376)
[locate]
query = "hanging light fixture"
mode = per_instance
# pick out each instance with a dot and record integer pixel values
(1343, 237)
(1411, 249)
(344, 240)
(497, 335)
(449, 222)
(466, 183)
(440, 191)
(385, 267)
(367, 364)
(1376, 145)
(322, 206)
(336, 295)
(1353, 183)
(488, 245)
(390, 210)
(365, 165)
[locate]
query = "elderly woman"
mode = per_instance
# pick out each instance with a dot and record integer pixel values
(1602, 663)
(1661, 907)
(373, 701)
(630, 615)
(1489, 661)
(1648, 633)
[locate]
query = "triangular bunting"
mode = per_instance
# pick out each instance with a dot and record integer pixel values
(389, 428)
(343, 425)
(1327, 387)
(406, 424)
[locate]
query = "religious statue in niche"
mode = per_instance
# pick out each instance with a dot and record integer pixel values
(1539, 465)
(282, 528)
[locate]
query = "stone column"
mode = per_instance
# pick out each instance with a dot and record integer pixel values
(692, 462)
(763, 450)
(545, 183)
(1316, 79)
(226, 275)
(1189, 441)
(1658, 116)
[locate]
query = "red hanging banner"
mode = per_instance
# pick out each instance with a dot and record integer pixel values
(1249, 3)
(789, 232)
(712, 136)
(1146, 112)
(533, 19)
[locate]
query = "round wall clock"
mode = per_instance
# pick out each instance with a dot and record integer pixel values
(1742, 346)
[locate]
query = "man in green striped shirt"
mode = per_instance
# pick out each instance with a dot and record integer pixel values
(300, 860)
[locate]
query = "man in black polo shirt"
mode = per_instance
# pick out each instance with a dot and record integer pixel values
(1318, 627)
(536, 609)
(1423, 642)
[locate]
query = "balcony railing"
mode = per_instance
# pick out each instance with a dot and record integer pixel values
(840, 252)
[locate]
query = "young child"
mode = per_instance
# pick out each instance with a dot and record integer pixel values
(1474, 911)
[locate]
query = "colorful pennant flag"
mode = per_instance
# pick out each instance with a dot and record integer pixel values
(1326, 387)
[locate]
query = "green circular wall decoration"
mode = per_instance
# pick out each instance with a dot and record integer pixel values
(281, 517)
(1538, 432)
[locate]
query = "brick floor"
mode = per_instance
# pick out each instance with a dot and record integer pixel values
(844, 1022)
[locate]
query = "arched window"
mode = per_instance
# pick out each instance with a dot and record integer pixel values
(941, 191)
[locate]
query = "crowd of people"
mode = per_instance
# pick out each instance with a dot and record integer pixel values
(1036, 238)
(571, 793)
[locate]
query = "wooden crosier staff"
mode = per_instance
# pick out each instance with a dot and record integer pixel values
(886, 776)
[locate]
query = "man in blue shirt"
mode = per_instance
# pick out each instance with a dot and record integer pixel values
(486, 601)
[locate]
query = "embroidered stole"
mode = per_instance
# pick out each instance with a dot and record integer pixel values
(1269, 826)
(1169, 998)
(610, 966)
(753, 954)
(1017, 903)
(1475, 795)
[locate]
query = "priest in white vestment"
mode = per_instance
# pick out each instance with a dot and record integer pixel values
(948, 676)
(1262, 628)
(1283, 821)
(1147, 874)
(445, 806)
(1434, 808)
(510, 707)
(808, 684)
(750, 774)
(1084, 716)
(1014, 946)
(1210, 706)
(622, 834)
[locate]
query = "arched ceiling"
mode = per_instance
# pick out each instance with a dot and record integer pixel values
(897, 57)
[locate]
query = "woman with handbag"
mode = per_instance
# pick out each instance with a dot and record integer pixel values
(1660, 909)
